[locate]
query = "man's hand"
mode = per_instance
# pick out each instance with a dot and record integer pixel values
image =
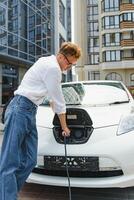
(66, 132)
(65, 129)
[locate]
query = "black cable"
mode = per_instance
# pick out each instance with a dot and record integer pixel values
(69, 187)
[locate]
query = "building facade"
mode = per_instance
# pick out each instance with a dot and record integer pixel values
(110, 41)
(28, 30)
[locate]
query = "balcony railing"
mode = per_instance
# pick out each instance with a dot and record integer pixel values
(127, 58)
(126, 24)
(126, 6)
(127, 42)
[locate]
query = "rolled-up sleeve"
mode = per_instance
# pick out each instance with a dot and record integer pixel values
(53, 85)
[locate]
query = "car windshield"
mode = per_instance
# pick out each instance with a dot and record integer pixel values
(93, 94)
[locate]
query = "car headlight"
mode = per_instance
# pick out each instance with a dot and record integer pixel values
(126, 124)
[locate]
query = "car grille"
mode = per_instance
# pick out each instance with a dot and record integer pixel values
(77, 166)
(79, 123)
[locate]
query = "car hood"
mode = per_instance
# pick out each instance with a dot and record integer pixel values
(100, 115)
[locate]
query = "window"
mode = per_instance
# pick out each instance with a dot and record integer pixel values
(38, 18)
(127, 17)
(3, 38)
(14, 1)
(93, 59)
(15, 10)
(132, 35)
(13, 40)
(38, 48)
(110, 5)
(15, 24)
(38, 32)
(126, 35)
(93, 26)
(31, 49)
(44, 44)
(133, 17)
(49, 44)
(92, 2)
(113, 76)
(44, 29)
(32, 35)
(131, 79)
(109, 56)
(38, 4)
(125, 1)
(31, 21)
(109, 22)
(92, 12)
(128, 54)
(94, 75)
(111, 39)
(95, 10)
(95, 42)
(2, 16)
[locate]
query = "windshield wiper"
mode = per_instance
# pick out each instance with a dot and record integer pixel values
(73, 104)
(119, 102)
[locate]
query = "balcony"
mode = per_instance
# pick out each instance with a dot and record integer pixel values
(127, 43)
(126, 63)
(128, 58)
(126, 6)
(126, 25)
(128, 55)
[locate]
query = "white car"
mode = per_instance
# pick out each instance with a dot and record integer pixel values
(100, 150)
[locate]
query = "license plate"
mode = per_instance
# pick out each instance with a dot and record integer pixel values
(73, 163)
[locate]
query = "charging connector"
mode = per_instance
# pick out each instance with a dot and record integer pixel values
(69, 187)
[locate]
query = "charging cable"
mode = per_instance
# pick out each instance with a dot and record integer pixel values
(69, 187)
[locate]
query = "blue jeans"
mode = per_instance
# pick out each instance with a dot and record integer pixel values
(19, 147)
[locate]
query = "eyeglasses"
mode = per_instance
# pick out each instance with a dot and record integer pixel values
(69, 63)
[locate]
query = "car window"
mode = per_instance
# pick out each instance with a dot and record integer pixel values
(71, 96)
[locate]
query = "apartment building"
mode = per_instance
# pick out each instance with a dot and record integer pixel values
(109, 33)
(28, 30)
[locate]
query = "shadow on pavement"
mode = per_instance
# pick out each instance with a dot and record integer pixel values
(42, 192)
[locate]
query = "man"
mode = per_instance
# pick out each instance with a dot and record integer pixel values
(19, 148)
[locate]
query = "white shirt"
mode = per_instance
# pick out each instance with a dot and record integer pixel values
(41, 80)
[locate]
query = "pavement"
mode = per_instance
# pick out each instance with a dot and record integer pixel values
(44, 192)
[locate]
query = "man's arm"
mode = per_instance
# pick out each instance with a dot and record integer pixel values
(62, 118)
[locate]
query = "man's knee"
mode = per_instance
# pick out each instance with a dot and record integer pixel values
(33, 163)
